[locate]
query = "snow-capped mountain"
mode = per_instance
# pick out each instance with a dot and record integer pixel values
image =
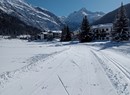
(34, 16)
(74, 19)
(62, 19)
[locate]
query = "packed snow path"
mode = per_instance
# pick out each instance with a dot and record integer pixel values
(78, 69)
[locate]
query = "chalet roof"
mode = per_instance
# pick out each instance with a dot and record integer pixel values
(102, 25)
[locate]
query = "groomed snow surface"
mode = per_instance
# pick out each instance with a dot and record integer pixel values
(55, 68)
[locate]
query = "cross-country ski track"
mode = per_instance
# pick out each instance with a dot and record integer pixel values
(78, 69)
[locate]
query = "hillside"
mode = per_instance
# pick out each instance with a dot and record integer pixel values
(10, 25)
(109, 17)
(33, 16)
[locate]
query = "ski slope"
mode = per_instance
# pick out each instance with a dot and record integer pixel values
(54, 68)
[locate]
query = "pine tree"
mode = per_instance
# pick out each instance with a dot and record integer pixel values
(120, 26)
(66, 34)
(85, 34)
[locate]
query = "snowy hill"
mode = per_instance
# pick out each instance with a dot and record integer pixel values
(74, 19)
(35, 16)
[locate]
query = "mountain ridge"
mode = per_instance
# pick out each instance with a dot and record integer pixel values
(109, 17)
(74, 19)
(31, 15)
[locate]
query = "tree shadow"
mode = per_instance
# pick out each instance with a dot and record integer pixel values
(111, 44)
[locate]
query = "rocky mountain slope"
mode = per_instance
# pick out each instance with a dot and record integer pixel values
(34, 16)
(10, 25)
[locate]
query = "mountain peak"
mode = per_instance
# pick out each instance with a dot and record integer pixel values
(83, 9)
(74, 19)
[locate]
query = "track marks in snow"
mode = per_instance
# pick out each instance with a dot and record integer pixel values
(115, 72)
(75, 63)
(75, 81)
(119, 66)
(78, 69)
(33, 64)
(55, 63)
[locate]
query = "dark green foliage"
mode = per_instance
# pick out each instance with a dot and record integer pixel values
(85, 34)
(66, 34)
(120, 26)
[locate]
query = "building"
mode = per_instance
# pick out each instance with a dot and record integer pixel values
(57, 34)
(102, 31)
(49, 35)
(42, 35)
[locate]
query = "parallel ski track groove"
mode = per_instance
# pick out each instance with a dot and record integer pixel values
(119, 66)
(40, 83)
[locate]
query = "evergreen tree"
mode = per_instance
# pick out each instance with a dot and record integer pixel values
(66, 34)
(85, 34)
(120, 26)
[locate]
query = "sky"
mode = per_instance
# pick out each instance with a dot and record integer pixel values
(65, 7)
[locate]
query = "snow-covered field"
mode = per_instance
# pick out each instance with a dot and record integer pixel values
(54, 68)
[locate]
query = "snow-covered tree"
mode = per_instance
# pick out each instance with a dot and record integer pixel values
(85, 34)
(120, 26)
(66, 34)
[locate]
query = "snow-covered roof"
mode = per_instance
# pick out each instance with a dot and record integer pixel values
(44, 33)
(102, 25)
(51, 32)
(57, 31)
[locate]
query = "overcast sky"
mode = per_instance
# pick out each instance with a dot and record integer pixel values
(65, 7)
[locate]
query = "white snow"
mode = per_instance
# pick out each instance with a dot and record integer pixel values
(70, 68)
(84, 13)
